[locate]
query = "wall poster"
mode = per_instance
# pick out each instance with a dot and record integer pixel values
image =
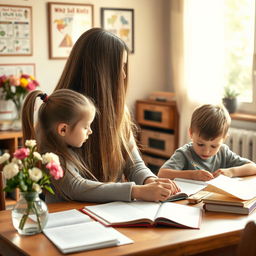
(15, 30)
(121, 23)
(67, 21)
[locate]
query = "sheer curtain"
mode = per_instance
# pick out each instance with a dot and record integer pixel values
(196, 50)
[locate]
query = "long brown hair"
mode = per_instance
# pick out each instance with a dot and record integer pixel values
(62, 106)
(94, 68)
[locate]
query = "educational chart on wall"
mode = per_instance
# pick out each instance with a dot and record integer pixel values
(17, 69)
(15, 30)
(121, 23)
(66, 23)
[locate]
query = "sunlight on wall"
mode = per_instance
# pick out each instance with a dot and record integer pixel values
(204, 47)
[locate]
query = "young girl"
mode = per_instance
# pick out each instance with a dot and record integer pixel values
(64, 124)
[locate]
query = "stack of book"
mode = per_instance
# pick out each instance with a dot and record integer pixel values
(221, 203)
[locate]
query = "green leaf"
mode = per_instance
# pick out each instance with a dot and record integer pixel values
(48, 188)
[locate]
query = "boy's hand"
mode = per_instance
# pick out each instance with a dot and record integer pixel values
(226, 172)
(202, 175)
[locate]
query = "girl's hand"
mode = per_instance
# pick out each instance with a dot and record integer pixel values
(202, 175)
(157, 190)
(226, 172)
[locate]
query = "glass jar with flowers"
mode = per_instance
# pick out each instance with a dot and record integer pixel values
(15, 89)
(30, 172)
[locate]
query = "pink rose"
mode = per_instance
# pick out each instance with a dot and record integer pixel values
(2, 80)
(21, 153)
(55, 170)
(31, 86)
(14, 81)
(36, 83)
(24, 76)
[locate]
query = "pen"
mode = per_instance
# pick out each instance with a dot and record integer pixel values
(195, 165)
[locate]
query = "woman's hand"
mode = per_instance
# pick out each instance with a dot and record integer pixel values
(155, 189)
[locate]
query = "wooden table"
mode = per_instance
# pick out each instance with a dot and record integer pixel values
(218, 235)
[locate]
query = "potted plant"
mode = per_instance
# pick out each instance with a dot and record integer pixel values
(230, 98)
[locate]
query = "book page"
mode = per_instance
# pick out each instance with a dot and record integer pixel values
(190, 187)
(64, 218)
(80, 237)
(182, 215)
(125, 212)
(243, 189)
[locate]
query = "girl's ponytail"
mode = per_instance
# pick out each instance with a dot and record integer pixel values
(28, 109)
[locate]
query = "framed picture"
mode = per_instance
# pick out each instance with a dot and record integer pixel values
(18, 69)
(15, 30)
(121, 23)
(67, 21)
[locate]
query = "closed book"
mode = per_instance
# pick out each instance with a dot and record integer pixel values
(230, 208)
(140, 213)
(216, 198)
(73, 231)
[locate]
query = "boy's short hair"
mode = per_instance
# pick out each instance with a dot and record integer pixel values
(210, 121)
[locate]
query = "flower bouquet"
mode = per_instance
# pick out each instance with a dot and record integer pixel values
(30, 172)
(15, 88)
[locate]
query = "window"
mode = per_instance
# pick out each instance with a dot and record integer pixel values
(239, 50)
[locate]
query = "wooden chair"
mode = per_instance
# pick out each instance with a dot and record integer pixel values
(2, 194)
(247, 244)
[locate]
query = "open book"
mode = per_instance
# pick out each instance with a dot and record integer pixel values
(73, 231)
(140, 213)
(233, 187)
(187, 188)
(242, 189)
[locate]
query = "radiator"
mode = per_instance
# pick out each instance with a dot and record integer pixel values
(242, 142)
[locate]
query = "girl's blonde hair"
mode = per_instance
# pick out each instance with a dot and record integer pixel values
(210, 121)
(62, 106)
(94, 68)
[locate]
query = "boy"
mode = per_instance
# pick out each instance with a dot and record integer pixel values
(206, 156)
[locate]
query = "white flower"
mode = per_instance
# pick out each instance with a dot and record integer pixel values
(16, 161)
(10, 170)
(48, 157)
(37, 156)
(36, 187)
(30, 143)
(4, 157)
(35, 174)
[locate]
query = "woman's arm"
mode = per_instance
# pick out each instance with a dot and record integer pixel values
(76, 188)
(137, 171)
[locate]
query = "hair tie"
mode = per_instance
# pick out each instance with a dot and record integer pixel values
(43, 97)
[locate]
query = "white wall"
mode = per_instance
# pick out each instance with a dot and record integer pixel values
(148, 65)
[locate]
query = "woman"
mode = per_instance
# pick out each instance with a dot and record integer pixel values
(97, 68)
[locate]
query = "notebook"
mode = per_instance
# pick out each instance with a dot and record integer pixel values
(73, 231)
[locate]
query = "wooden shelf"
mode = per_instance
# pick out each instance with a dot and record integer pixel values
(9, 140)
(243, 117)
(159, 130)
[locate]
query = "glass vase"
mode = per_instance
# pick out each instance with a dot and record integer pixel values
(16, 124)
(30, 214)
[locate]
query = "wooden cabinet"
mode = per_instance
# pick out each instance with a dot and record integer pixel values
(9, 142)
(159, 130)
